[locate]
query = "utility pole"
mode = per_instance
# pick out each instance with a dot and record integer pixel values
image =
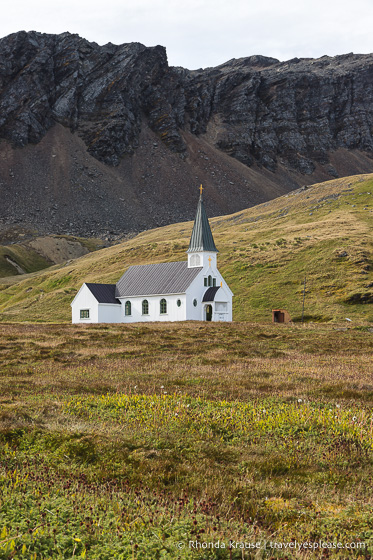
(304, 296)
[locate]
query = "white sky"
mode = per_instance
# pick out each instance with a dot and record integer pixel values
(201, 33)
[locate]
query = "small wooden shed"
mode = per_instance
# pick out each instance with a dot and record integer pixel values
(280, 316)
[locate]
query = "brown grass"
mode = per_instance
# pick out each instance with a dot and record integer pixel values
(229, 361)
(255, 430)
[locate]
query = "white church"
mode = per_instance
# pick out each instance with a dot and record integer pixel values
(174, 291)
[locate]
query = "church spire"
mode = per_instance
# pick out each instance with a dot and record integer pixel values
(201, 239)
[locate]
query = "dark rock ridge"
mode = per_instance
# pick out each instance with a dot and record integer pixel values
(110, 138)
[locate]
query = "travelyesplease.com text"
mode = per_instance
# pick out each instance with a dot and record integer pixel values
(292, 545)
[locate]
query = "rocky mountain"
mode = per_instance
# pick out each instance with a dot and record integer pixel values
(105, 140)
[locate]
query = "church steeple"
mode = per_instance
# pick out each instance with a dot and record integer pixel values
(201, 238)
(202, 250)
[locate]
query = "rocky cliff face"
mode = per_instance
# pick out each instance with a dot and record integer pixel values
(110, 138)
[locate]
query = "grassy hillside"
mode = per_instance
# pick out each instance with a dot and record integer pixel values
(38, 253)
(323, 231)
(18, 259)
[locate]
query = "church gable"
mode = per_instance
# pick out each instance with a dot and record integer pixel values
(96, 303)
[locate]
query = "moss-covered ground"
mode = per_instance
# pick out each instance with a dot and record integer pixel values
(139, 441)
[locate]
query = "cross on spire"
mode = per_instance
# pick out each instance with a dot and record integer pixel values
(200, 190)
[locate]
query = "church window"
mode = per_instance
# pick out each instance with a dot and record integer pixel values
(195, 260)
(205, 281)
(127, 308)
(214, 281)
(84, 313)
(145, 307)
(163, 306)
(210, 280)
(195, 303)
(178, 303)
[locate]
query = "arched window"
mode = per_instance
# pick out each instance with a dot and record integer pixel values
(178, 303)
(214, 282)
(163, 306)
(145, 307)
(127, 308)
(210, 280)
(195, 260)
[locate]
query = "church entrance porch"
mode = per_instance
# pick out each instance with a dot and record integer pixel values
(208, 312)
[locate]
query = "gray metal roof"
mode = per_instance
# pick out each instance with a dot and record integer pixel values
(104, 293)
(201, 239)
(153, 279)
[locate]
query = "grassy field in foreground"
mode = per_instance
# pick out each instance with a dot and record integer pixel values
(124, 441)
(323, 231)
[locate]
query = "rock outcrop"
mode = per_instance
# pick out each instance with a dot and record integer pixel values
(110, 138)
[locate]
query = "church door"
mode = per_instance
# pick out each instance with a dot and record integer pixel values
(208, 311)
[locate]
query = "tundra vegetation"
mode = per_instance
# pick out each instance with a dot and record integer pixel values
(121, 441)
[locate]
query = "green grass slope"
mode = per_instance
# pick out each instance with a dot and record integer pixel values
(323, 231)
(17, 258)
(38, 253)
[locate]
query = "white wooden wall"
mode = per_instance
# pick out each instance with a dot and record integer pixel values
(174, 313)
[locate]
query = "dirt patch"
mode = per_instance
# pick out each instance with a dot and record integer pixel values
(58, 249)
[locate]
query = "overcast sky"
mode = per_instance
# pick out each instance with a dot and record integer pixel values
(201, 33)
